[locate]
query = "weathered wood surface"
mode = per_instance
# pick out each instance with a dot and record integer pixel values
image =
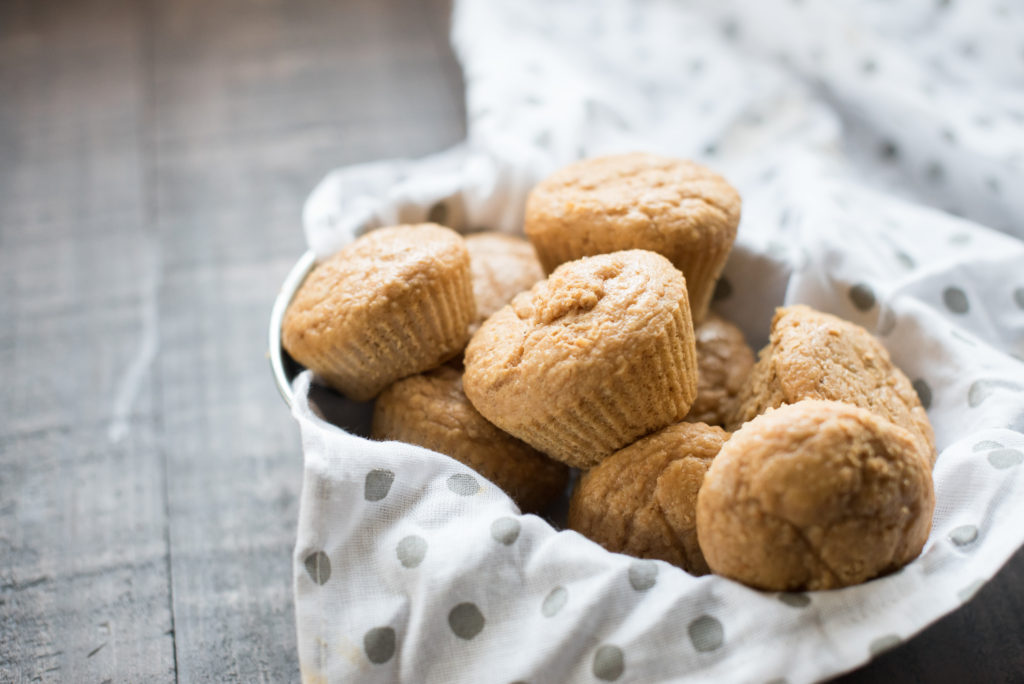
(153, 161)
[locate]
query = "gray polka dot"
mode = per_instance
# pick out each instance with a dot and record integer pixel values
(318, 565)
(981, 390)
(1018, 297)
(905, 259)
(608, 663)
(466, 620)
(882, 644)
(960, 239)
(935, 173)
(985, 445)
(963, 535)
(505, 530)
(378, 484)
(379, 644)
(731, 29)
(643, 575)
(888, 150)
(955, 300)
(411, 550)
(862, 296)
(924, 393)
(554, 601)
(723, 289)
(795, 600)
(1001, 459)
(968, 592)
(779, 680)
(463, 484)
(706, 633)
(993, 185)
(438, 213)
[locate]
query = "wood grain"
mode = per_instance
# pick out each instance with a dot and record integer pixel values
(83, 522)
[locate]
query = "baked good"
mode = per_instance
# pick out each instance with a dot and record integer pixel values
(395, 302)
(642, 500)
(677, 208)
(590, 359)
(815, 495)
(502, 266)
(724, 360)
(814, 355)
(431, 410)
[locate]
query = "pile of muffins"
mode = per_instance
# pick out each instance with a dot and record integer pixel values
(807, 469)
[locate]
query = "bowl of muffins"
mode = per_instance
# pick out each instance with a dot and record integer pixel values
(582, 364)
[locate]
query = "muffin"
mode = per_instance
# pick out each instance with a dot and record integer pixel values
(815, 495)
(813, 355)
(590, 359)
(724, 360)
(642, 500)
(432, 411)
(677, 208)
(395, 302)
(502, 267)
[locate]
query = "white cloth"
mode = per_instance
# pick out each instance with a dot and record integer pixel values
(879, 150)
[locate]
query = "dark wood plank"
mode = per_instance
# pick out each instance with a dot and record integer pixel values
(253, 108)
(84, 587)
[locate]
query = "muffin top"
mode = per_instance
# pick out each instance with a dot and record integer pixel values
(665, 205)
(724, 361)
(367, 278)
(642, 500)
(432, 410)
(502, 266)
(815, 495)
(583, 318)
(814, 355)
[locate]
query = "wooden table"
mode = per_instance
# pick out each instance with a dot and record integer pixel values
(153, 161)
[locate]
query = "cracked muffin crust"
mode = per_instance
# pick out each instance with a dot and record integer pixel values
(642, 500)
(432, 411)
(394, 302)
(590, 359)
(724, 360)
(815, 495)
(677, 208)
(814, 355)
(502, 266)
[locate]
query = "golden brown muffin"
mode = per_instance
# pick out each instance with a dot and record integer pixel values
(677, 208)
(815, 495)
(642, 500)
(432, 411)
(813, 355)
(396, 301)
(588, 360)
(502, 266)
(724, 360)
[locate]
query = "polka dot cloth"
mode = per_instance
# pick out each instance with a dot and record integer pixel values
(877, 147)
